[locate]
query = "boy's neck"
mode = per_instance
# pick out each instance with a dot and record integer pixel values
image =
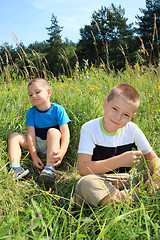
(44, 107)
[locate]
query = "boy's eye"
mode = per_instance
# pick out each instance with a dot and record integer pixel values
(30, 95)
(115, 109)
(37, 92)
(126, 115)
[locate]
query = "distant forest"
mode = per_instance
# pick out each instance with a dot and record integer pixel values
(107, 40)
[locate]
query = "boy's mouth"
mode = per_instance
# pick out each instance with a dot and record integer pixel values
(114, 122)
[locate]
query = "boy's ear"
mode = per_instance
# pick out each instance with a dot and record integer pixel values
(49, 92)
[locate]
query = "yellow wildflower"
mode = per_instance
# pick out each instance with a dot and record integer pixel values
(49, 191)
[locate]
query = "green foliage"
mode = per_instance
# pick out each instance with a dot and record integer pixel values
(148, 28)
(107, 38)
(54, 45)
(27, 211)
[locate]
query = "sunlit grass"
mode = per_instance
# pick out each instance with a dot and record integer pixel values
(27, 211)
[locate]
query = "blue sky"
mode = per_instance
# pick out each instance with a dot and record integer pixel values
(28, 19)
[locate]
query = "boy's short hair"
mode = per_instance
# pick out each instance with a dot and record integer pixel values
(125, 91)
(41, 81)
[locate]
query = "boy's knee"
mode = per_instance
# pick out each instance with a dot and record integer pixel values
(88, 179)
(53, 132)
(13, 136)
(88, 182)
(17, 138)
(93, 188)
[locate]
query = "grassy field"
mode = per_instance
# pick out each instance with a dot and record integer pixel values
(29, 212)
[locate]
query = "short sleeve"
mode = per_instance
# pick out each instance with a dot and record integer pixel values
(30, 116)
(62, 117)
(86, 143)
(142, 142)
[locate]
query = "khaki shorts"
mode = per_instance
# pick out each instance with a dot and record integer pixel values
(41, 146)
(93, 188)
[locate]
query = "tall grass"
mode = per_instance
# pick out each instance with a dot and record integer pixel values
(29, 212)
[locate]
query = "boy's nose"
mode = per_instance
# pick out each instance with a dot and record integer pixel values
(34, 95)
(118, 116)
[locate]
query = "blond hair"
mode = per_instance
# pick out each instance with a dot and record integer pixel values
(127, 92)
(42, 81)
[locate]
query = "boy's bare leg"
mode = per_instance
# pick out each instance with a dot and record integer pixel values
(53, 145)
(47, 176)
(15, 142)
(115, 197)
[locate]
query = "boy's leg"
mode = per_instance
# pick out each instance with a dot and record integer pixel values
(119, 181)
(97, 190)
(53, 144)
(48, 176)
(124, 181)
(92, 189)
(15, 142)
(116, 196)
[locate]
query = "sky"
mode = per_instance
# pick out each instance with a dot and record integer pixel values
(26, 20)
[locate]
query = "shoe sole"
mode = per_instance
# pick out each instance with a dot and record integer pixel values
(47, 180)
(22, 175)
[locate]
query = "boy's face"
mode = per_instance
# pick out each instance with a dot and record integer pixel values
(39, 95)
(117, 113)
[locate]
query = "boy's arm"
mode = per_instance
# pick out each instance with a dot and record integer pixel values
(87, 166)
(154, 164)
(31, 141)
(65, 137)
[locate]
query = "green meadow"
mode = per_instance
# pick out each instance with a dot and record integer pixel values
(29, 212)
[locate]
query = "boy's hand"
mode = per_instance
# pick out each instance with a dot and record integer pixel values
(131, 158)
(38, 163)
(56, 158)
(152, 184)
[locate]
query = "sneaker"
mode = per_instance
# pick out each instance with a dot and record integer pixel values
(18, 172)
(47, 177)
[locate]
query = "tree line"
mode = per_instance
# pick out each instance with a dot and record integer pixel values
(108, 40)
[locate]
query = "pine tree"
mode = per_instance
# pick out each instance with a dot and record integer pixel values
(54, 45)
(54, 30)
(149, 27)
(149, 4)
(103, 38)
